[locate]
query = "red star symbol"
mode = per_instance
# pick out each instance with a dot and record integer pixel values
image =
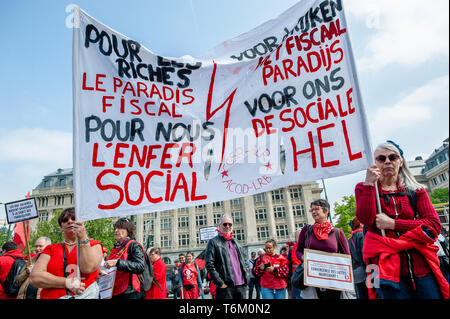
(224, 173)
(268, 166)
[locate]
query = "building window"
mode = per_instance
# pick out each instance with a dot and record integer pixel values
(298, 210)
(299, 225)
(263, 232)
(442, 177)
(277, 195)
(183, 210)
(183, 239)
(217, 218)
(259, 198)
(235, 202)
(240, 234)
(261, 214)
(43, 217)
(165, 223)
(237, 217)
(282, 231)
(218, 205)
(165, 241)
(62, 182)
(279, 212)
(296, 194)
(183, 222)
(434, 181)
(200, 220)
(149, 223)
(200, 208)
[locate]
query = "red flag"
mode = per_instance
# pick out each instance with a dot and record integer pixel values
(19, 235)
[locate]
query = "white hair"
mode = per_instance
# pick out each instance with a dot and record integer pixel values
(47, 240)
(224, 216)
(406, 178)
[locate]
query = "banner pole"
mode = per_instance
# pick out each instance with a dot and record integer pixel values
(377, 195)
(27, 245)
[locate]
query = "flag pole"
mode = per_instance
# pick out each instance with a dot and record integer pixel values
(27, 245)
(377, 195)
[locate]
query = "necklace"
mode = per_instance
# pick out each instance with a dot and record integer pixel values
(70, 244)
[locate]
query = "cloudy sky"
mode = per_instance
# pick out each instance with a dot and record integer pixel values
(401, 49)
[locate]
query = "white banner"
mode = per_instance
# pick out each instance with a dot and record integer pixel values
(327, 270)
(276, 106)
(21, 210)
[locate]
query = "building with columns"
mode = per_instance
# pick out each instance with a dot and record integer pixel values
(275, 214)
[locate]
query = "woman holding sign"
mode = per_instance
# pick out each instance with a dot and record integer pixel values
(399, 244)
(128, 256)
(272, 269)
(55, 269)
(324, 237)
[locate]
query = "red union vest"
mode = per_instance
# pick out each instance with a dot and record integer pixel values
(190, 273)
(122, 277)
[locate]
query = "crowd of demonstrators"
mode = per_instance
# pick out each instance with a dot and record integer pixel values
(51, 271)
(405, 242)
(400, 239)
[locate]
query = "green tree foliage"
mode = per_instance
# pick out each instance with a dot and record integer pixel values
(100, 229)
(344, 212)
(439, 195)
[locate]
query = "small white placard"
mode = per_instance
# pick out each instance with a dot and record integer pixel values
(206, 233)
(328, 270)
(21, 210)
(106, 283)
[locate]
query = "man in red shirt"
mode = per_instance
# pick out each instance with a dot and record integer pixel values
(9, 251)
(158, 289)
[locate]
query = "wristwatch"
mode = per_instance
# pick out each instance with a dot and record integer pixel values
(85, 242)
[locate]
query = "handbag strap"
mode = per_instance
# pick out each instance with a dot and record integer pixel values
(66, 274)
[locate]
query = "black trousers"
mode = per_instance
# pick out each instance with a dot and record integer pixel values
(236, 292)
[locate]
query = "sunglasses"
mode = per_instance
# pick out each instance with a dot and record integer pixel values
(382, 158)
(227, 224)
(66, 219)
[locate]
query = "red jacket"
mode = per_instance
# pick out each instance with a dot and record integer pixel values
(277, 279)
(366, 211)
(159, 275)
(5, 266)
(387, 250)
(122, 277)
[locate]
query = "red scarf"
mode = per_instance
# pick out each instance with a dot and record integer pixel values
(321, 230)
(226, 236)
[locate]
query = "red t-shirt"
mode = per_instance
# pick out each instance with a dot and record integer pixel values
(277, 279)
(56, 267)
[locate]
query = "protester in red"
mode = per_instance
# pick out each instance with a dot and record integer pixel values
(54, 269)
(190, 278)
(128, 256)
(273, 270)
(400, 215)
(324, 237)
(158, 289)
(9, 253)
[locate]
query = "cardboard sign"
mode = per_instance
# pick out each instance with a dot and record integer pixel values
(276, 106)
(106, 283)
(328, 270)
(21, 210)
(206, 233)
